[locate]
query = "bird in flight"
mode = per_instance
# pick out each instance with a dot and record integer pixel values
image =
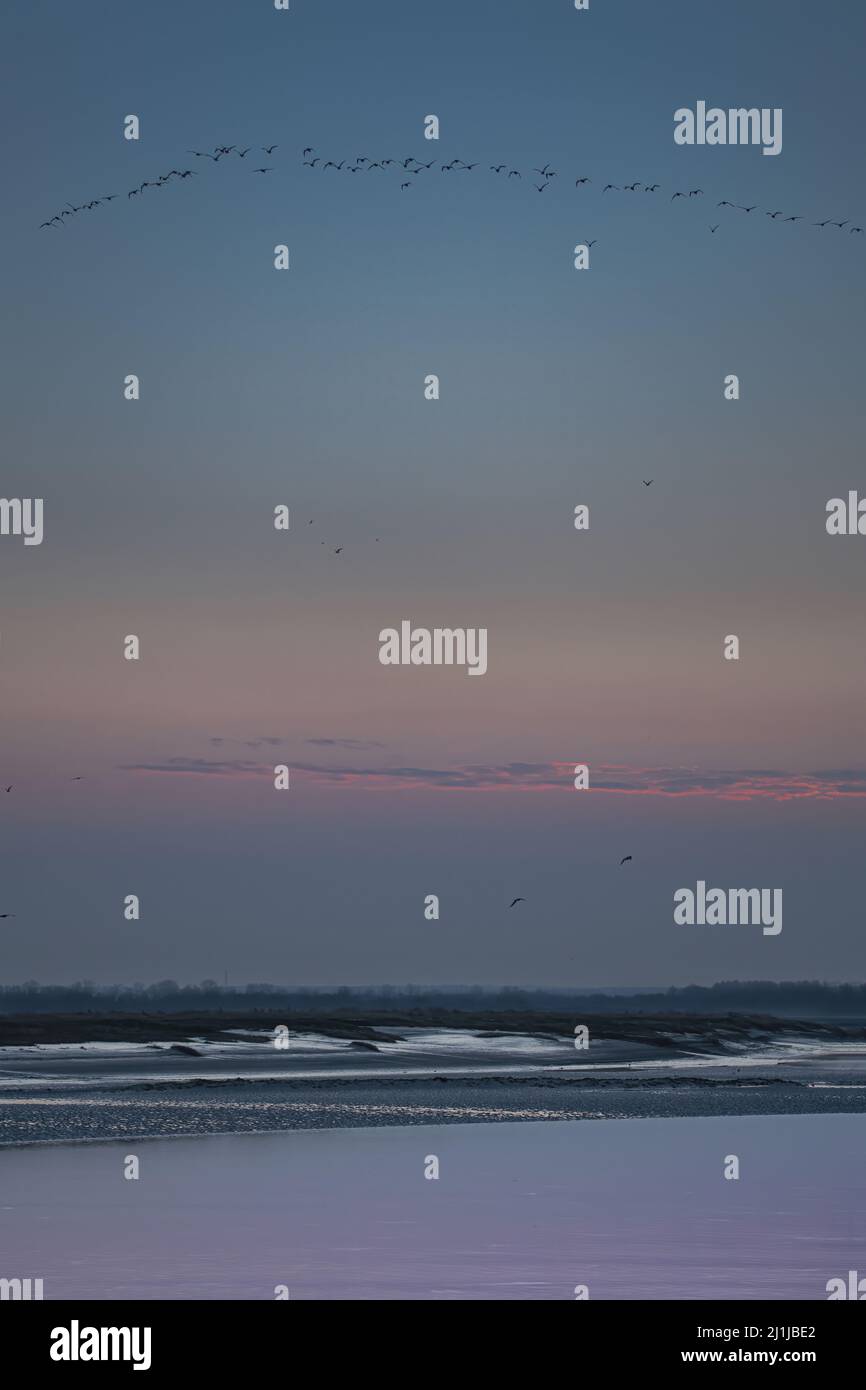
(540, 186)
(7, 914)
(514, 174)
(696, 192)
(497, 168)
(652, 187)
(856, 229)
(578, 182)
(405, 185)
(677, 195)
(337, 551)
(798, 218)
(840, 224)
(516, 901)
(263, 171)
(542, 172)
(268, 149)
(591, 243)
(10, 787)
(308, 150)
(774, 215)
(76, 779)
(647, 484)
(242, 154)
(630, 187)
(751, 209)
(716, 228)
(624, 860)
(610, 185)
(725, 204)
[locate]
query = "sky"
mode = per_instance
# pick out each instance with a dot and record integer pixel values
(306, 388)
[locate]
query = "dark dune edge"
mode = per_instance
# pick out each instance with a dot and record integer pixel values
(668, 1031)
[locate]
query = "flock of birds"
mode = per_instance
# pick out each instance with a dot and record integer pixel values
(219, 152)
(414, 167)
(411, 168)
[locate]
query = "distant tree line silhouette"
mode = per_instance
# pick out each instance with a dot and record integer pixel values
(800, 998)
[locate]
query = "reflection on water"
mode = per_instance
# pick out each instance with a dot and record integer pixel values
(633, 1208)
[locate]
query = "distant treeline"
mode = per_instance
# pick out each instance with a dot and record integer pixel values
(797, 999)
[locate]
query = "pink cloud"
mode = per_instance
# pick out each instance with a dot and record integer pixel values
(608, 778)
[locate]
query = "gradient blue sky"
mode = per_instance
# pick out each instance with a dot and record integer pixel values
(306, 388)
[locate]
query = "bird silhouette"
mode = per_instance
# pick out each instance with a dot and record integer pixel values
(610, 185)
(308, 150)
(9, 788)
(751, 209)
(840, 224)
(652, 187)
(856, 229)
(242, 154)
(624, 860)
(774, 215)
(716, 228)
(677, 195)
(540, 186)
(266, 170)
(647, 484)
(405, 185)
(269, 149)
(514, 174)
(337, 551)
(696, 192)
(725, 204)
(578, 182)
(7, 914)
(798, 218)
(588, 244)
(542, 172)
(515, 901)
(497, 168)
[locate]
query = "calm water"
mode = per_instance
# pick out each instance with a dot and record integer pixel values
(633, 1208)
